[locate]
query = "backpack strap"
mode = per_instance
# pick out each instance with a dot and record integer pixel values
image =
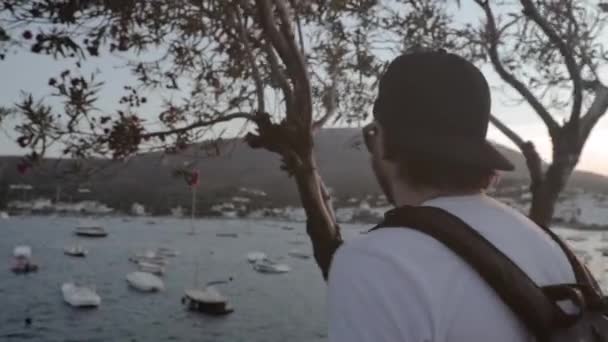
(536, 310)
(590, 287)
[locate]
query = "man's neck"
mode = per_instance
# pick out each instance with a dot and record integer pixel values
(405, 195)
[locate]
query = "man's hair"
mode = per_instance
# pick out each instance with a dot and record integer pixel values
(421, 170)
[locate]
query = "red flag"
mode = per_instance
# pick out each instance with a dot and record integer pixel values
(192, 178)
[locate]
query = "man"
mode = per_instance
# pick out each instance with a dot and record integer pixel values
(428, 147)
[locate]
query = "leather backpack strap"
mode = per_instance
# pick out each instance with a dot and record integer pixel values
(531, 305)
(593, 292)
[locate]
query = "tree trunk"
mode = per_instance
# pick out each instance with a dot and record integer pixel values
(543, 203)
(321, 224)
(546, 192)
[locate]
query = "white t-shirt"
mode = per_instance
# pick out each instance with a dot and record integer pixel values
(397, 285)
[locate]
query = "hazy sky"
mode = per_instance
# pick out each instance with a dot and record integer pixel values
(31, 73)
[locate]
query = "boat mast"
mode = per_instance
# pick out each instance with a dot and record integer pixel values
(192, 210)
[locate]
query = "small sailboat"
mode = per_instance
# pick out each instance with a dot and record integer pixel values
(269, 266)
(207, 300)
(90, 231)
(22, 251)
(151, 268)
(75, 251)
(255, 256)
(150, 257)
(22, 260)
(80, 296)
(145, 282)
(298, 254)
(166, 252)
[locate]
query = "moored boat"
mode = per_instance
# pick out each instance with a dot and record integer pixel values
(145, 282)
(80, 296)
(91, 231)
(207, 300)
(75, 251)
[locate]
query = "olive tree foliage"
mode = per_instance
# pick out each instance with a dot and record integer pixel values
(287, 67)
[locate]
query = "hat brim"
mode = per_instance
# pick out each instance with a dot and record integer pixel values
(462, 150)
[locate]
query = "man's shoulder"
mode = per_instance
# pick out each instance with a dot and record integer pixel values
(398, 244)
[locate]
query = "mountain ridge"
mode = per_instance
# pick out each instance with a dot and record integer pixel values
(147, 178)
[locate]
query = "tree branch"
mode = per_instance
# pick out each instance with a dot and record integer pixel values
(509, 133)
(296, 66)
(330, 104)
(596, 111)
(259, 86)
(532, 12)
(201, 123)
(510, 78)
(533, 161)
(278, 41)
(278, 74)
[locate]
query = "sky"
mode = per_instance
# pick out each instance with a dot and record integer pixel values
(29, 72)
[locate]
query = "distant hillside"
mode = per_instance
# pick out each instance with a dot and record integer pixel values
(147, 178)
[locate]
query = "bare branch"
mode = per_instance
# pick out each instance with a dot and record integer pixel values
(201, 123)
(269, 25)
(330, 104)
(527, 148)
(532, 12)
(300, 35)
(509, 133)
(596, 111)
(278, 74)
(259, 86)
(510, 78)
(296, 66)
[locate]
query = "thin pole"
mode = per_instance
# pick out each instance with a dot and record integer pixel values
(192, 210)
(195, 272)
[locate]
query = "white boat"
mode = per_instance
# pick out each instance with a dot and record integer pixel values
(269, 266)
(299, 254)
(150, 268)
(255, 256)
(22, 260)
(80, 296)
(208, 300)
(4, 215)
(22, 252)
(166, 252)
(90, 231)
(75, 251)
(160, 261)
(144, 281)
(150, 257)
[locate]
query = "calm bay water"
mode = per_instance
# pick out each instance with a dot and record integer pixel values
(284, 307)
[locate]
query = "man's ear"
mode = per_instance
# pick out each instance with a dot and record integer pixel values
(385, 148)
